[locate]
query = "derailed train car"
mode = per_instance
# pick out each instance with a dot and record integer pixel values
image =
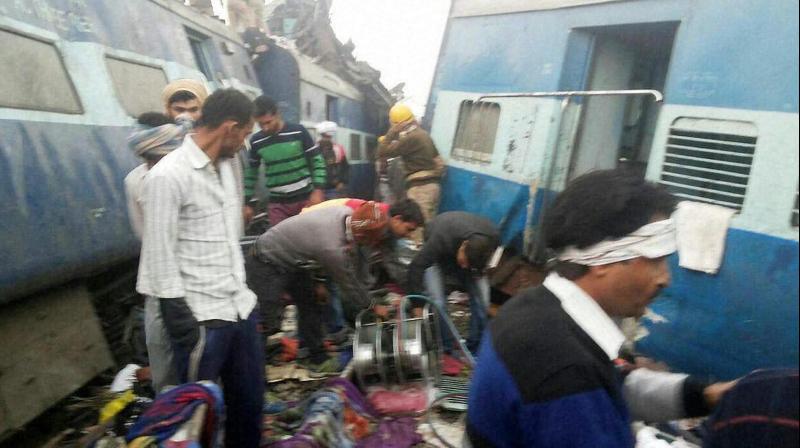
(75, 73)
(725, 133)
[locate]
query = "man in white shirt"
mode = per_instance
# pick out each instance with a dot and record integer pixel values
(155, 137)
(192, 263)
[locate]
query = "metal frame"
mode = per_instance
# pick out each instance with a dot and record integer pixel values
(536, 251)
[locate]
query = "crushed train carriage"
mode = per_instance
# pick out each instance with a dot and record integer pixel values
(725, 132)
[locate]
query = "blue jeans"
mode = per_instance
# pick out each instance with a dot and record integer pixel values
(332, 193)
(334, 314)
(478, 291)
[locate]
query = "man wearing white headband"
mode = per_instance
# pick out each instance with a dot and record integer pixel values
(549, 372)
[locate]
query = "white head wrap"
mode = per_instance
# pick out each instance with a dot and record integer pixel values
(653, 240)
(327, 127)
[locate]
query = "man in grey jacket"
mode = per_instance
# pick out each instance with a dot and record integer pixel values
(286, 258)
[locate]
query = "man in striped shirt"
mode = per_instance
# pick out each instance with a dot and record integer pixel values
(293, 165)
(191, 263)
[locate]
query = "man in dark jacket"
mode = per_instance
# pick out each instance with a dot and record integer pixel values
(548, 374)
(459, 245)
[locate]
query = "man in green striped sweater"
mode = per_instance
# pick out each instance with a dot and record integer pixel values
(294, 168)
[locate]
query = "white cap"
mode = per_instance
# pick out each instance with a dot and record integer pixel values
(327, 127)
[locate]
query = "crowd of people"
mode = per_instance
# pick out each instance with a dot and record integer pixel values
(549, 371)
(210, 308)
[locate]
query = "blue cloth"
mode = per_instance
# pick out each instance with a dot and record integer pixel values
(762, 409)
(231, 352)
(332, 193)
(174, 408)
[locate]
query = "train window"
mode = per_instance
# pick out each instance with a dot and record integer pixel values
(34, 76)
(795, 217)
(709, 160)
(476, 131)
(138, 86)
(355, 146)
(331, 108)
(199, 43)
(372, 146)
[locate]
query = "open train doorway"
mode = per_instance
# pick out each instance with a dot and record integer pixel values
(618, 131)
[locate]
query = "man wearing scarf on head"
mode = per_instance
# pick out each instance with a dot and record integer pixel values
(550, 373)
(184, 96)
(154, 137)
(291, 257)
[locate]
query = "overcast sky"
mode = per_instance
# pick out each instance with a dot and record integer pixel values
(401, 38)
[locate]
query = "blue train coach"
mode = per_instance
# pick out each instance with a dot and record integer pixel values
(75, 73)
(709, 110)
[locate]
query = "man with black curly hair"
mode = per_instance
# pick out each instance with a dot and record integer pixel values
(549, 372)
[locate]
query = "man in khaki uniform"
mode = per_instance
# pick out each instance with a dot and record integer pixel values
(424, 167)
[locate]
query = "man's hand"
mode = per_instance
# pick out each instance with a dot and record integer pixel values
(247, 214)
(647, 363)
(714, 392)
(395, 130)
(316, 197)
(180, 323)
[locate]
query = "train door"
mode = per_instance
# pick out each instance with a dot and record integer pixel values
(614, 130)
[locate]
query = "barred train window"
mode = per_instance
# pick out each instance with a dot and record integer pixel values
(709, 160)
(138, 86)
(476, 131)
(355, 146)
(34, 76)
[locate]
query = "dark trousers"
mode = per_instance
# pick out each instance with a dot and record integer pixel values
(270, 283)
(231, 353)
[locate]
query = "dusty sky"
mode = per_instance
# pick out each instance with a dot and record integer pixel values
(401, 38)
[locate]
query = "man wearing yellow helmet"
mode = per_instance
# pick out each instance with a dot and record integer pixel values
(424, 167)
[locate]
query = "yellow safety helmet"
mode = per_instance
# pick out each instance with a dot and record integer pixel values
(400, 113)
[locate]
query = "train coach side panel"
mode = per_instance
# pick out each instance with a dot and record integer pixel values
(62, 202)
(119, 25)
(743, 318)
